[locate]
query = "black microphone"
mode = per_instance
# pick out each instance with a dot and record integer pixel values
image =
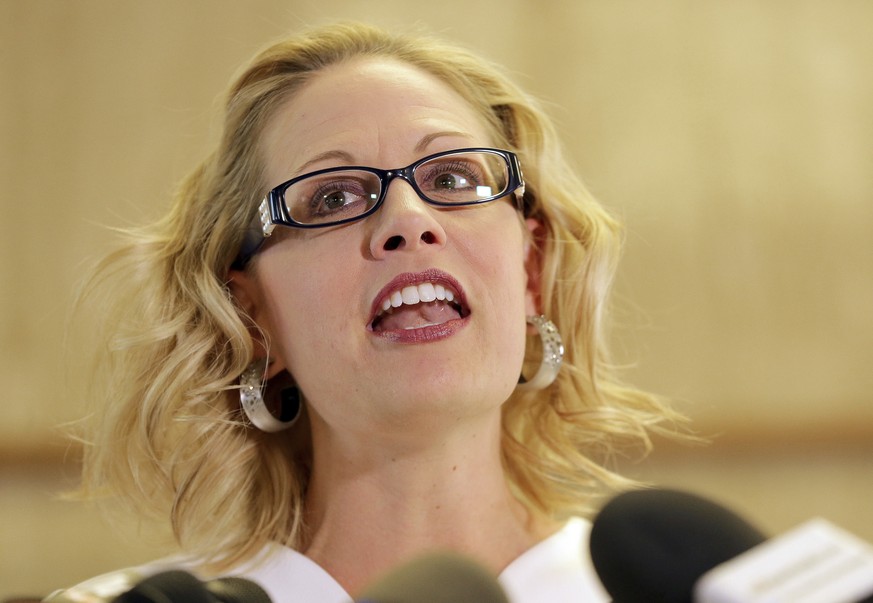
(673, 547)
(436, 578)
(653, 545)
(177, 586)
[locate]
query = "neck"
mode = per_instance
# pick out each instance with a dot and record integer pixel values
(374, 504)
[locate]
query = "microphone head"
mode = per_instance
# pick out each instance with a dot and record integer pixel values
(236, 590)
(436, 578)
(653, 545)
(176, 586)
(167, 587)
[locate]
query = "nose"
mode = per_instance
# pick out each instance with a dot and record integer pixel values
(404, 223)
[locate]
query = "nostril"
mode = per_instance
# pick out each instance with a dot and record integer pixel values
(397, 241)
(393, 243)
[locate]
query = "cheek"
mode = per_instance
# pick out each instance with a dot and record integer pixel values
(495, 250)
(307, 306)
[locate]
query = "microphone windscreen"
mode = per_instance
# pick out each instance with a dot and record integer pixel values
(167, 587)
(237, 590)
(436, 578)
(176, 586)
(653, 545)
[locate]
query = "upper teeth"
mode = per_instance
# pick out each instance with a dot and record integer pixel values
(425, 292)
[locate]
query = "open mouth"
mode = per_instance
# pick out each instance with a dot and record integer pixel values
(416, 306)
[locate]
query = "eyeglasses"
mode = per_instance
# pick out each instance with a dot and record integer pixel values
(339, 195)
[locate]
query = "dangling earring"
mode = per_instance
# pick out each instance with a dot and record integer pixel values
(553, 355)
(283, 398)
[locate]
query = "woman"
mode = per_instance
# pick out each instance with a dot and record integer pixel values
(362, 373)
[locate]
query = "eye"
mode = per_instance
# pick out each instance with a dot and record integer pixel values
(335, 200)
(450, 180)
(337, 196)
(332, 196)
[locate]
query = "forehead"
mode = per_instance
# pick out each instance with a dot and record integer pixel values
(375, 109)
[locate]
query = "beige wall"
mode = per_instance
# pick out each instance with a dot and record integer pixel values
(735, 137)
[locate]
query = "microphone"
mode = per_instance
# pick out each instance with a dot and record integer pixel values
(815, 562)
(436, 578)
(675, 547)
(177, 586)
(653, 545)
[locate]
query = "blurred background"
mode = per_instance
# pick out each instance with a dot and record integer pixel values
(734, 138)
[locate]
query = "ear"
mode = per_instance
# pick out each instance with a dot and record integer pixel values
(533, 265)
(246, 290)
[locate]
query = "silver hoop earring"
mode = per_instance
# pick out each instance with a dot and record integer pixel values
(284, 399)
(553, 355)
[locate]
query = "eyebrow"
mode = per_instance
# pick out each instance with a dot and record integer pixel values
(347, 158)
(429, 138)
(342, 156)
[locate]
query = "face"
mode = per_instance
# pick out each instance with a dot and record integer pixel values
(319, 294)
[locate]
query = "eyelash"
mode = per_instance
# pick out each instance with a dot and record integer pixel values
(454, 167)
(317, 198)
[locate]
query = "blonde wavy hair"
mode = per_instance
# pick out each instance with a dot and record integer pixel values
(171, 343)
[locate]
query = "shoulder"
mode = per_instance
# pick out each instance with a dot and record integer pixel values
(291, 577)
(106, 587)
(558, 569)
(285, 575)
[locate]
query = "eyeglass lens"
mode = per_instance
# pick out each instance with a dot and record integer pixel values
(455, 179)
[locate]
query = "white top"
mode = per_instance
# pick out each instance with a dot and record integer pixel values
(557, 570)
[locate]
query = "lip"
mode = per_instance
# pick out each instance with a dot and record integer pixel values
(423, 334)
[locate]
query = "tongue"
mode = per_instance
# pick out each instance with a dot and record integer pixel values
(417, 316)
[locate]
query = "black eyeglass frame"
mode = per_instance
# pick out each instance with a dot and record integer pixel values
(273, 210)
